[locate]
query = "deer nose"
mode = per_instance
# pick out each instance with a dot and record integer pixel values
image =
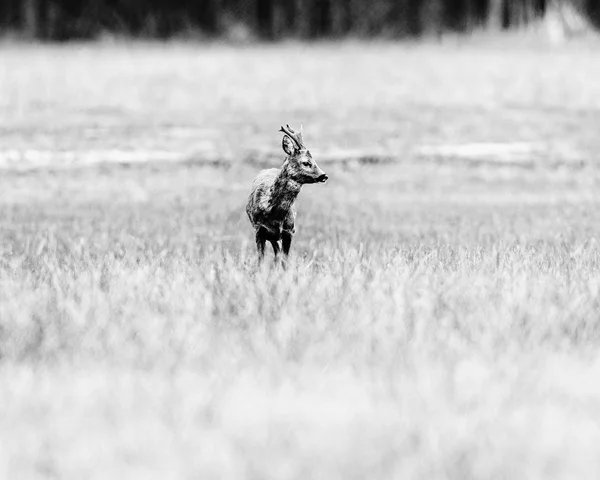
(322, 178)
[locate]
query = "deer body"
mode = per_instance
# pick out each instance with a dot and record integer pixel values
(271, 205)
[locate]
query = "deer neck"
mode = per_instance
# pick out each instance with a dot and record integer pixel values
(285, 190)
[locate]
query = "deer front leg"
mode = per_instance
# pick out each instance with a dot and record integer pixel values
(275, 244)
(288, 231)
(286, 240)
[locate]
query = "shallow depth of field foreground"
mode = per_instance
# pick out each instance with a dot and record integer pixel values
(440, 315)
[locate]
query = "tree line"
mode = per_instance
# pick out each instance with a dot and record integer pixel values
(271, 19)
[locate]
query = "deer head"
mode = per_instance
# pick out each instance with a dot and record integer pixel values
(301, 165)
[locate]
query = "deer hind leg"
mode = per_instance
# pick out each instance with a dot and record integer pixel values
(260, 243)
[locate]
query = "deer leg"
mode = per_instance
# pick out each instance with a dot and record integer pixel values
(286, 240)
(275, 244)
(260, 244)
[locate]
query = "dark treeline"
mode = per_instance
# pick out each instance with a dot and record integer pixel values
(271, 19)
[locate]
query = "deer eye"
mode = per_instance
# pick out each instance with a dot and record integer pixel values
(306, 164)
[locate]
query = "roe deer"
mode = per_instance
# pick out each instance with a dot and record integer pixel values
(271, 206)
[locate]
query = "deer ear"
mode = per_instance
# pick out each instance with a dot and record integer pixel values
(288, 145)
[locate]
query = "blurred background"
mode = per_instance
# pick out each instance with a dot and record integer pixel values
(440, 316)
(243, 20)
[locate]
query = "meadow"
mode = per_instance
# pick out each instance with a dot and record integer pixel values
(440, 316)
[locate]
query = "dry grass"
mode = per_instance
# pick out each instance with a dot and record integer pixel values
(439, 318)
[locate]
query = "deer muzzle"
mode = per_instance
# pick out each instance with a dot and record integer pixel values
(320, 176)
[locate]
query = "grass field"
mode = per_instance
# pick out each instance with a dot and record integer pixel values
(440, 318)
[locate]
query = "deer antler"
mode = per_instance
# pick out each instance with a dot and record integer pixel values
(295, 136)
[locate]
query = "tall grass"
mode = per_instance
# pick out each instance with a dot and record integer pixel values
(419, 361)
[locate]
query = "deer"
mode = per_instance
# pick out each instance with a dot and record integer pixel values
(271, 206)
